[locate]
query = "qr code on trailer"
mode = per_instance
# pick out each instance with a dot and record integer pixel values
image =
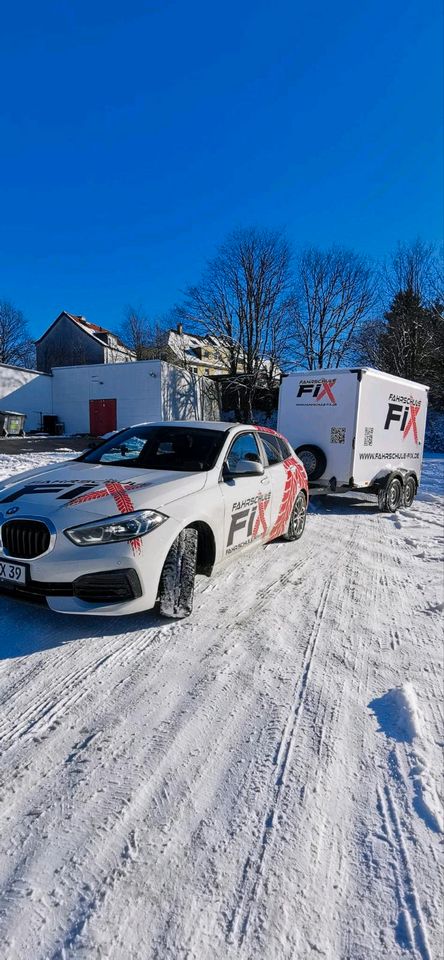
(337, 435)
(368, 436)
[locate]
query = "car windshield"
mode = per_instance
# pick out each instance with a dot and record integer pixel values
(152, 447)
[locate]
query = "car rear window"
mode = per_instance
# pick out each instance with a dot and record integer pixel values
(272, 448)
(286, 452)
(149, 447)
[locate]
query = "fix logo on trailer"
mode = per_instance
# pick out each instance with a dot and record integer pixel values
(403, 411)
(318, 390)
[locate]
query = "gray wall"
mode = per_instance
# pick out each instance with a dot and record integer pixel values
(67, 344)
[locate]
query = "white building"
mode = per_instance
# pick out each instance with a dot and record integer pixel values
(25, 391)
(98, 398)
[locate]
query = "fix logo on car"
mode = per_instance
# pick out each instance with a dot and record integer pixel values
(66, 488)
(317, 390)
(250, 517)
(403, 411)
(74, 492)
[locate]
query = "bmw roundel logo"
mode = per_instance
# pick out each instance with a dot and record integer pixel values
(12, 510)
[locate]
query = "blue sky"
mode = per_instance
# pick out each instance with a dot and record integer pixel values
(135, 135)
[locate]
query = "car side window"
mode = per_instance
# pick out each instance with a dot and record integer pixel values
(244, 447)
(272, 448)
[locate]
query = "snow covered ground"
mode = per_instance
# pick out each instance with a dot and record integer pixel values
(260, 781)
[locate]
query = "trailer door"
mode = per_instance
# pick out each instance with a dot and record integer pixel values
(391, 427)
(317, 408)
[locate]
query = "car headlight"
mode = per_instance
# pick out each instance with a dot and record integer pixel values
(113, 529)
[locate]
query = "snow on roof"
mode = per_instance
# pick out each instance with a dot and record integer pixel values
(186, 344)
(16, 366)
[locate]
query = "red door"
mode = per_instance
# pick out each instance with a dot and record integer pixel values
(102, 416)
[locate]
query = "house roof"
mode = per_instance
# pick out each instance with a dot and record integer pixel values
(184, 345)
(91, 329)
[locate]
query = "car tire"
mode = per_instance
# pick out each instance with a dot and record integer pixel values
(314, 460)
(176, 589)
(296, 523)
(409, 491)
(390, 498)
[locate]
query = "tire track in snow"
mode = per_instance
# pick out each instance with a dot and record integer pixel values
(260, 599)
(310, 814)
(67, 690)
(251, 874)
(411, 921)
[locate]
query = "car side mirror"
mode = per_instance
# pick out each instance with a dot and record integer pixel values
(243, 468)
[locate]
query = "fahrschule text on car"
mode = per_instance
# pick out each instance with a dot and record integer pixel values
(130, 522)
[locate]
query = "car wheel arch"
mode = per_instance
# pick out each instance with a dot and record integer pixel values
(206, 547)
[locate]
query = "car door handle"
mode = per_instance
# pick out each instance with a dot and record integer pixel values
(265, 480)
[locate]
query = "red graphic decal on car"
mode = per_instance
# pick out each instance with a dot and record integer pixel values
(295, 479)
(261, 520)
(119, 493)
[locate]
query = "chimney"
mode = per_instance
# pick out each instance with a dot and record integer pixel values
(180, 329)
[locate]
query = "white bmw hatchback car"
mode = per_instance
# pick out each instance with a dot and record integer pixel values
(129, 523)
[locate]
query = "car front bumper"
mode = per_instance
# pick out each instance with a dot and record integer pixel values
(108, 580)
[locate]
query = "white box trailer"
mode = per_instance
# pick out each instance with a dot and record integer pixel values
(356, 429)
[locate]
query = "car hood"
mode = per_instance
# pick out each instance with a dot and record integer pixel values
(96, 489)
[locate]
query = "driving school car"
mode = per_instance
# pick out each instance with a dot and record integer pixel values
(131, 522)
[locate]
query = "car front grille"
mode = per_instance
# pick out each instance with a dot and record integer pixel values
(25, 539)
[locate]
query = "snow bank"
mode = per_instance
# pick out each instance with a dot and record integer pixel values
(398, 714)
(17, 463)
(400, 718)
(432, 477)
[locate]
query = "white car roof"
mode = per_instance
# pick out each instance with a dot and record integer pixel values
(221, 425)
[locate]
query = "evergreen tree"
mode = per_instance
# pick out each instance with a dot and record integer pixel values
(411, 343)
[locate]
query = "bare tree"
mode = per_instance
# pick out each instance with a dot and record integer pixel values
(244, 299)
(415, 266)
(367, 347)
(135, 330)
(16, 346)
(335, 292)
(146, 337)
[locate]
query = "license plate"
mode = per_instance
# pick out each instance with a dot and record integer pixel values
(12, 572)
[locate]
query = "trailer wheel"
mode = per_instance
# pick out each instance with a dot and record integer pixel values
(390, 497)
(296, 523)
(176, 590)
(409, 491)
(314, 460)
